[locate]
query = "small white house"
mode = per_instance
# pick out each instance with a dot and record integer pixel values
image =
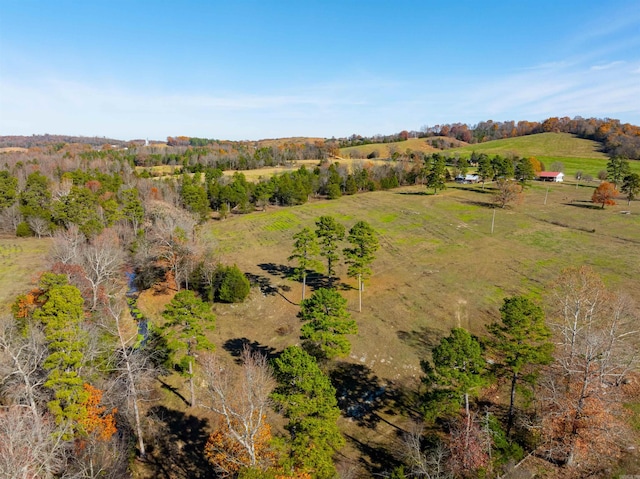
(555, 176)
(471, 179)
(467, 179)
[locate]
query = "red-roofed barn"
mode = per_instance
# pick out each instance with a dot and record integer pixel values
(556, 176)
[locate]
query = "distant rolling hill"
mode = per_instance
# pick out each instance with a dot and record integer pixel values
(386, 149)
(540, 145)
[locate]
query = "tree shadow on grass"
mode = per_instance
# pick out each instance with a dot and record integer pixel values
(585, 204)
(360, 393)
(481, 204)
(488, 190)
(376, 459)
(315, 280)
(423, 339)
(236, 345)
(414, 193)
(278, 270)
(177, 449)
(263, 283)
(267, 288)
(175, 391)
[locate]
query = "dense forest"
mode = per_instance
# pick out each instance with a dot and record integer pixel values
(80, 365)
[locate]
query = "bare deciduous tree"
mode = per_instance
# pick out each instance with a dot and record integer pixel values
(172, 235)
(101, 261)
(39, 226)
(508, 191)
(10, 218)
(133, 367)
(67, 243)
(29, 448)
(21, 371)
(242, 401)
(579, 396)
(428, 464)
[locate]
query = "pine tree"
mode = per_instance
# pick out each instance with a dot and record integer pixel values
(457, 372)
(305, 248)
(187, 316)
(364, 243)
(521, 340)
(436, 172)
(308, 400)
(327, 321)
(329, 232)
(62, 314)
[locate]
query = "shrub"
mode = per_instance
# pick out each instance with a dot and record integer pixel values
(23, 230)
(233, 285)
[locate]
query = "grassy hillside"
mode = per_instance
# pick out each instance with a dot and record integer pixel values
(385, 149)
(576, 154)
(540, 145)
(439, 267)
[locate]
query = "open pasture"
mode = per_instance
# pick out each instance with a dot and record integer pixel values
(576, 154)
(439, 266)
(385, 150)
(21, 261)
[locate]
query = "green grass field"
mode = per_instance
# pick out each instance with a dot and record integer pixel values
(439, 265)
(21, 261)
(576, 154)
(385, 149)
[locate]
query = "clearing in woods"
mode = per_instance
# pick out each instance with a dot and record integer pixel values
(21, 261)
(438, 267)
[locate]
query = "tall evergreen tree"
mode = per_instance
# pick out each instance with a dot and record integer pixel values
(364, 243)
(35, 198)
(327, 321)
(187, 317)
(457, 372)
(308, 400)
(521, 341)
(62, 314)
(524, 170)
(631, 186)
(305, 249)
(329, 232)
(436, 172)
(617, 168)
(485, 168)
(8, 189)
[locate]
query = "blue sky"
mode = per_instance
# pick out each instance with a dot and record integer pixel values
(266, 69)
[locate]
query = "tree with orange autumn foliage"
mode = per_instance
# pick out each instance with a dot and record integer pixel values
(97, 421)
(241, 402)
(605, 194)
(228, 455)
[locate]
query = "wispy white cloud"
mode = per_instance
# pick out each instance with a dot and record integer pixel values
(63, 106)
(606, 66)
(360, 103)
